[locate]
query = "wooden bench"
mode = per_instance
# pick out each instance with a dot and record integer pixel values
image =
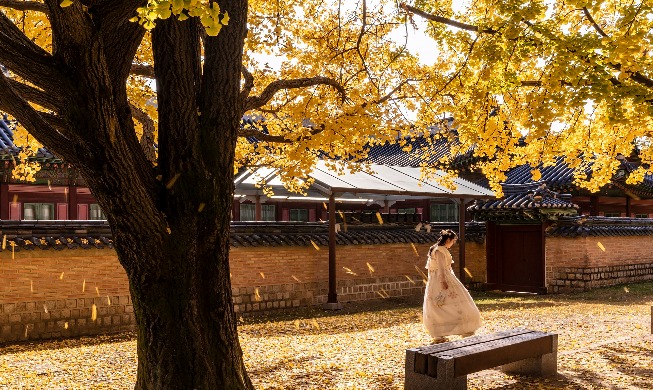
(445, 366)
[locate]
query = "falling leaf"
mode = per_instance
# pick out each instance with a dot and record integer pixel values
(317, 248)
(97, 291)
(409, 279)
(45, 308)
(66, 3)
(256, 294)
(378, 216)
(93, 312)
(325, 206)
(381, 295)
(414, 249)
(26, 328)
(262, 275)
(369, 266)
(342, 216)
(108, 300)
(31, 285)
(84, 285)
(4, 242)
(600, 246)
(172, 181)
(349, 271)
(61, 276)
(65, 325)
(468, 273)
(420, 272)
(49, 187)
(12, 251)
(626, 289)
(294, 277)
(201, 207)
(169, 231)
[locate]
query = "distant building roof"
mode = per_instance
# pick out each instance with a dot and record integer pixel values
(532, 201)
(8, 149)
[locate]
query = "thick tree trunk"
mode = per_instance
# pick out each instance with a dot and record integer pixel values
(170, 223)
(187, 336)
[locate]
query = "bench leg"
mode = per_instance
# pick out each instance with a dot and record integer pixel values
(545, 365)
(444, 381)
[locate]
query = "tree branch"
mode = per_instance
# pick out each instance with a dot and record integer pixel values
(249, 84)
(35, 95)
(24, 5)
(34, 122)
(142, 70)
(147, 140)
(594, 24)
(25, 58)
(259, 135)
(254, 102)
(447, 21)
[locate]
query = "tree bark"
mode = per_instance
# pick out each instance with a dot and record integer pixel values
(171, 222)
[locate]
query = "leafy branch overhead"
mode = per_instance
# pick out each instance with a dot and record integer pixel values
(567, 79)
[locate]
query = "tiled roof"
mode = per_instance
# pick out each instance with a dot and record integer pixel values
(9, 149)
(411, 155)
(585, 226)
(556, 176)
(475, 232)
(28, 235)
(524, 201)
(58, 235)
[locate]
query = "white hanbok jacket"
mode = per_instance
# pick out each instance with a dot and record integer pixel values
(451, 311)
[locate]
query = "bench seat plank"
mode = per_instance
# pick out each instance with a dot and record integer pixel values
(493, 353)
(422, 353)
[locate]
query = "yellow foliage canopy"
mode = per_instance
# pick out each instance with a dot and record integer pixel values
(525, 81)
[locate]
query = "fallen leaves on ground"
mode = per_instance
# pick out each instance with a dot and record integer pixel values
(604, 343)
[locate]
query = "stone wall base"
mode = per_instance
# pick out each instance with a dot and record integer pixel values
(568, 279)
(39, 320)
(283, 296)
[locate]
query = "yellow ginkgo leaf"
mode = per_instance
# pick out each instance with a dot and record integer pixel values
(66, 3)
(93, 312)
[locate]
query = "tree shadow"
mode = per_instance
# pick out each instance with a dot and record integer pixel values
(68, 342)
(326, 377)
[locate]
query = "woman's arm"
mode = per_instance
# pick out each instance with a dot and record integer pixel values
(441, 260)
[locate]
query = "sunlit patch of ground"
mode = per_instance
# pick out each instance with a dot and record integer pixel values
(605, 342)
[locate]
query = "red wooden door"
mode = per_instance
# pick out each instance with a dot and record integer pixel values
(520, 258)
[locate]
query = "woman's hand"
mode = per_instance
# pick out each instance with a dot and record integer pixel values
(444, 285)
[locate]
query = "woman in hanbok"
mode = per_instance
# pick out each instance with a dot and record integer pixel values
(448, 307)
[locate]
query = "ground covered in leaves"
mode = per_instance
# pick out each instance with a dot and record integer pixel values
(605, 342)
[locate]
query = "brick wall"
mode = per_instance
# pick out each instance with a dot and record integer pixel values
(269, 278)
(583, 263)
(36, 302)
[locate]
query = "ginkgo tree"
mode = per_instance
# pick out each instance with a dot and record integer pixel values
(526, 81)
(147, 98)
(529, 81)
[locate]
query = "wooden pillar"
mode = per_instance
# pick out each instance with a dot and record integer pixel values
(628, 206)
(257, 208)
(332, 297)
(594, 202)
(72, 203)
(461, 240)
(4, 201)
(386, 206)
